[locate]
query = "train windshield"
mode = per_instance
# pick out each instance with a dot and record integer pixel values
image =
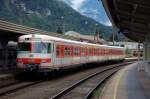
(41, 47)
(34, 47)
(24, 47)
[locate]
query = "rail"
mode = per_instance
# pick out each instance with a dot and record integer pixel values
(77, 84)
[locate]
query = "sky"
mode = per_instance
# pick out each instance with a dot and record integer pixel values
(90, 8)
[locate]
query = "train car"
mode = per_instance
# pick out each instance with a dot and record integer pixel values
(46, 53)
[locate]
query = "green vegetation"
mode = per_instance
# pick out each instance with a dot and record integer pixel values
(49, 15)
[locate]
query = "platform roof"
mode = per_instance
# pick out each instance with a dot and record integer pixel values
(132, 17)
(12, 30)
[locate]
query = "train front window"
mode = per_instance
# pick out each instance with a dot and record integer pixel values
(26, 47)
(41, 47)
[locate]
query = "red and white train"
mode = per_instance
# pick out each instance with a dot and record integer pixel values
(44, 53)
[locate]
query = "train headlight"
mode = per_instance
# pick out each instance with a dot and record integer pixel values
(45, 64)
(20, 64)
(19, 60)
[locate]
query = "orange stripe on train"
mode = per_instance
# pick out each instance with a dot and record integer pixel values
(34, 60)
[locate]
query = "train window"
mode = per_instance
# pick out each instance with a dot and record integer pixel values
(49, 47)
(24, 46)
(76, 51)
(83, 52)
(40, 47)
(44, 47)
(37, 47)
(67, 51)
(86, 51)
(90, 51)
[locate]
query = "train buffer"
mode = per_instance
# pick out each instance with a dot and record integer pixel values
(128, 83)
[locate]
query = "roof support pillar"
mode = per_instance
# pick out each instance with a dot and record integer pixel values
(146, 55)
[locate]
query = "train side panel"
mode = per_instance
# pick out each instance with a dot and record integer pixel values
(55, 53)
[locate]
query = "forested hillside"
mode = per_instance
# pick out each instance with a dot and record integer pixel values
(49, 15)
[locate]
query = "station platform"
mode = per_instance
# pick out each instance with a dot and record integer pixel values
(6, 76)
(7, 73)
(128, 83)
(131, 58)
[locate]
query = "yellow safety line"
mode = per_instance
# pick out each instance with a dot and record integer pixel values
(117, 85)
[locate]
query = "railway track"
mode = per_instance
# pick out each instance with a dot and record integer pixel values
(56, 87)
(84, 88)
(9, 83)
(12, 84)
(13, 87)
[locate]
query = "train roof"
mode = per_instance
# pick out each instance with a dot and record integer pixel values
(51, 38)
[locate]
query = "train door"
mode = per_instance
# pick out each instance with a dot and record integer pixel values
(53, 48)
(62, 54)
(59, 52)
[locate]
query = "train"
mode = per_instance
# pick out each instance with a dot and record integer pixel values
(44, 53)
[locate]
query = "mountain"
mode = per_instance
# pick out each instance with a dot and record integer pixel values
(49, 15)
(90, 8)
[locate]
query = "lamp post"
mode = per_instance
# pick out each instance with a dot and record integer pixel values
(95, 35)
(63, 23)
(96, 26)
(113, 33)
